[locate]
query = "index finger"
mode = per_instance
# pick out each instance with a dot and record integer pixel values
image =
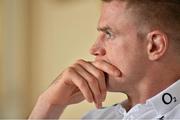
(107, 67)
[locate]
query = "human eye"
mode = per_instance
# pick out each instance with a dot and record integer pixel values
(108, 35)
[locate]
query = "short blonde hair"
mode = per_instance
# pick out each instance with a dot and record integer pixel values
(157, 14)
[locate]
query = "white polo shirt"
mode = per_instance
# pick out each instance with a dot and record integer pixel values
(165, 105)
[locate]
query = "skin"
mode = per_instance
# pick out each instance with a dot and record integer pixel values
(140, 68)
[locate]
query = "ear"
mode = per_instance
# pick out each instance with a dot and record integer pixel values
(157, 45)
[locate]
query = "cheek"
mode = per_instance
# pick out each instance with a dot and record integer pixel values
(118, 55)
(127, 58)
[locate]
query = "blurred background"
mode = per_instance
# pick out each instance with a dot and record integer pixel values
(38, 39)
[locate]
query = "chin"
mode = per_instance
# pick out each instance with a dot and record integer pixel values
(114, 84)
(112, 89)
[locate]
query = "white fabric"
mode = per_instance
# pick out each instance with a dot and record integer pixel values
(165, 105)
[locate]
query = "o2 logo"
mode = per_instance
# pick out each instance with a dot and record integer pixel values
(167, 98)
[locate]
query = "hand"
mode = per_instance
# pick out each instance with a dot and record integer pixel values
(82, 80)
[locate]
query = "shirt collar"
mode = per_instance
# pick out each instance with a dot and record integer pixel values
(167, 99)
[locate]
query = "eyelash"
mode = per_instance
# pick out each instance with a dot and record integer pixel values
(108, 35)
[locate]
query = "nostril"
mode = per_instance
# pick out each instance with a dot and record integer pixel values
(96, 54)
(102, 52)
(97, 51)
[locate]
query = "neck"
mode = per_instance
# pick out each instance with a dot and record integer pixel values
(150, 86)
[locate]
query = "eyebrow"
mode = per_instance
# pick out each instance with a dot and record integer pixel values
(104, 29)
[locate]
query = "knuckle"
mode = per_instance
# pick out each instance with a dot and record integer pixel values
(100, 75)
(80, 61)
(98, 95)
(97, 63)
(69, 70)
(82, 84)
(91, 80)
(74, 65)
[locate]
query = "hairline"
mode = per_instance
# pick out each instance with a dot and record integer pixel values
(171, 29)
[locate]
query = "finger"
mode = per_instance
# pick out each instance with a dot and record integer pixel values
(79, 81)
(107, 67)
(98, 74)
(75, 98)
(92, 81)
(98, 105)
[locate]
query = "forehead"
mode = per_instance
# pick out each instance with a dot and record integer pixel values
(114, 5)
(112, 12)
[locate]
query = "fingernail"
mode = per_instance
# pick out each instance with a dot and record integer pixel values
(117, 73)
(98, 105)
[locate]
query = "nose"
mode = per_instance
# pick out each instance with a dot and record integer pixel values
(97, 49)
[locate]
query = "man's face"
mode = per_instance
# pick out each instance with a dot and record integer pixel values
(118, 43)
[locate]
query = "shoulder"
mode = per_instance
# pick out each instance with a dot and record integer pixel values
(174, 113)
(111, 112)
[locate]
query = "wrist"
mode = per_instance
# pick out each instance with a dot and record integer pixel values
(49, 103)
(44, 109)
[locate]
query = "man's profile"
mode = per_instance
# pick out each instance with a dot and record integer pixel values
(137, 53)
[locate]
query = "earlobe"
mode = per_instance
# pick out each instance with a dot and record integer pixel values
(157, 45)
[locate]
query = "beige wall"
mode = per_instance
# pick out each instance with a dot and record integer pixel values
(1, 84)
(48, 35)
(14, 59)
